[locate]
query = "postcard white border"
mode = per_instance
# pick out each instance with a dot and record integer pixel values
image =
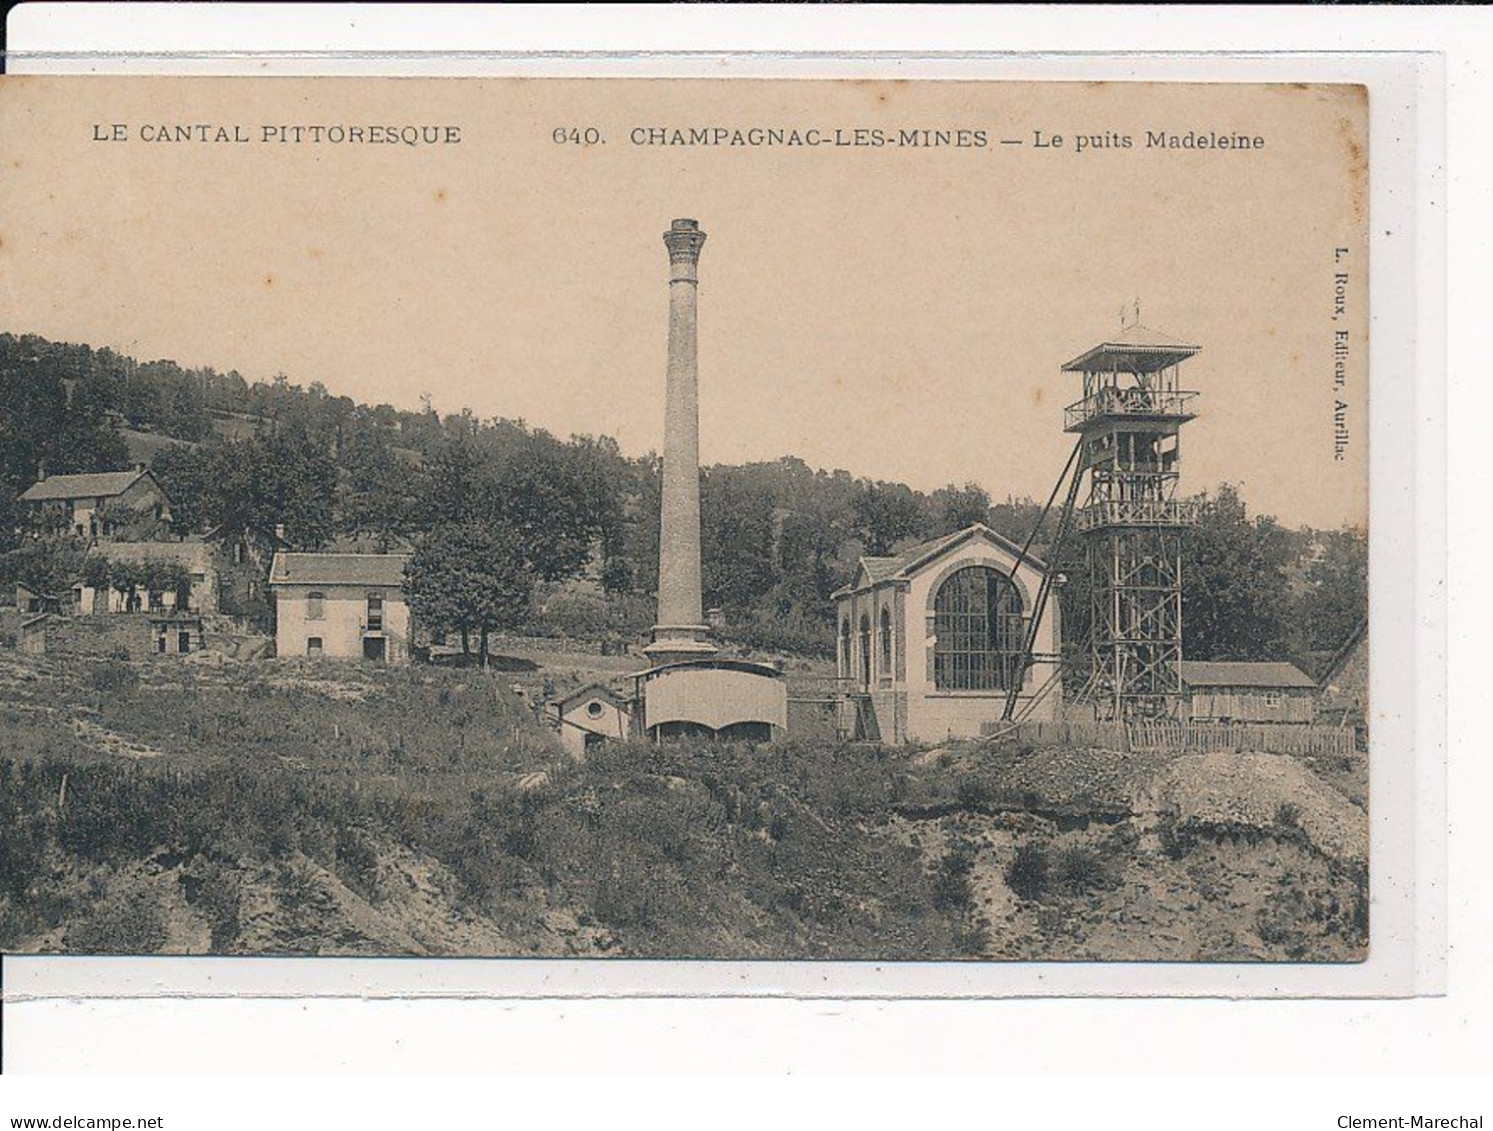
(1407, 531)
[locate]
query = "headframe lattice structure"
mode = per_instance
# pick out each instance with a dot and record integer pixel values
(1129, 426)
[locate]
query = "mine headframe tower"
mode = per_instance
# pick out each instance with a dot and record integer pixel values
(1131, 522)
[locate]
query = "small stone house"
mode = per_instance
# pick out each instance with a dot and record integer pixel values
(590, 716)
(89, 499)
(930, 639)
(341, 606)
(1247, 692)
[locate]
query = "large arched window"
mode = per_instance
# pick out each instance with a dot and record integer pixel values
(846, 661)
(886, 641)
(977, 631)
(865, 648)
(316, 605)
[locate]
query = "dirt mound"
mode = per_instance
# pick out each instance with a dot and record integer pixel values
(1271, 793)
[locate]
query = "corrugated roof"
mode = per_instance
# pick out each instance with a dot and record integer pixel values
(92, 485)
(1220, 673)
(338, 569)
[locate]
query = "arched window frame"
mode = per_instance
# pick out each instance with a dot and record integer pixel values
(976, 647)
(847, 658)
(887, 652)
(316, 605)
(865, 652)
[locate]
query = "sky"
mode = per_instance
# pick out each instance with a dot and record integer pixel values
(902, 312)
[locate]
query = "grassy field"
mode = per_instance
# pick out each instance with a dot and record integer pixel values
(293, 807)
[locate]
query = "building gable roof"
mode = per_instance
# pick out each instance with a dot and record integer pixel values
(590, 691)
(901, 566)
(338, 569)
(1345, 652)
(190, 552)
(1217, 673)
(90, 485)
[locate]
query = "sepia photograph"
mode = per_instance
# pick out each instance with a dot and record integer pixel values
(858, 520)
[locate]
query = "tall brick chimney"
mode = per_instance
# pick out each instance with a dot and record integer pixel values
(681, 632)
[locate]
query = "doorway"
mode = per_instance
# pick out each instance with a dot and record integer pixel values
(373, 648)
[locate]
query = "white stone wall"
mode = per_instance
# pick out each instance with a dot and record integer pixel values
(933, 715)
(578, 721)
(344, 613)
(908, 706)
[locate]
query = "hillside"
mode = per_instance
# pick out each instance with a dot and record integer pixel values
(238, 808)
(778, 537)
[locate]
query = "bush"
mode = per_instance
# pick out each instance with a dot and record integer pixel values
(952, 890)
(1177, 837)
(129, 924)
(1079, 869)
(797, 632)
(114, 677)
(1027, 874)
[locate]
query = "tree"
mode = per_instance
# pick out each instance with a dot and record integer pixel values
(46, 563)
(188, 476)
(555, 499)
(954, 508)
(885, 514)
(469, 578)
(738, 528)
(1337, 596)
(1236, 598)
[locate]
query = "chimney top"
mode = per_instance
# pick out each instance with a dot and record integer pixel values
(686, 225)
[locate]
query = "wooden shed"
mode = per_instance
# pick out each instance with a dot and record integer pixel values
(1253, 692)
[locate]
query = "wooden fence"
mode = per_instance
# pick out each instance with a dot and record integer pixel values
(1110, 736)
(1176, 735)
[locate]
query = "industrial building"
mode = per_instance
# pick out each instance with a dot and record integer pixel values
(933, 640)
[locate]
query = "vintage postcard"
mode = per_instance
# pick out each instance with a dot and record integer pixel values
(892, 521)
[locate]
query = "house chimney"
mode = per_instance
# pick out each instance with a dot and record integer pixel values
(41, 470)
(279, 532)
(681, 632)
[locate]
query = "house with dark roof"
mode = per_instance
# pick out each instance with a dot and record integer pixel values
(341, 606)
(930, 639)
(1247, 692)
(95, 503)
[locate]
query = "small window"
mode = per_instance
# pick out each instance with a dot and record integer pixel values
(375, 612)
(595, 708)
(316, 606)
(183, 641)
(313, 646)
(886, 642)
(1272, 699)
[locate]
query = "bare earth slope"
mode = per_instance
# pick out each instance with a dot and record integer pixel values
(259, 808)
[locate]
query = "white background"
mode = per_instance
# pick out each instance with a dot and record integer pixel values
(1309, 1043)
